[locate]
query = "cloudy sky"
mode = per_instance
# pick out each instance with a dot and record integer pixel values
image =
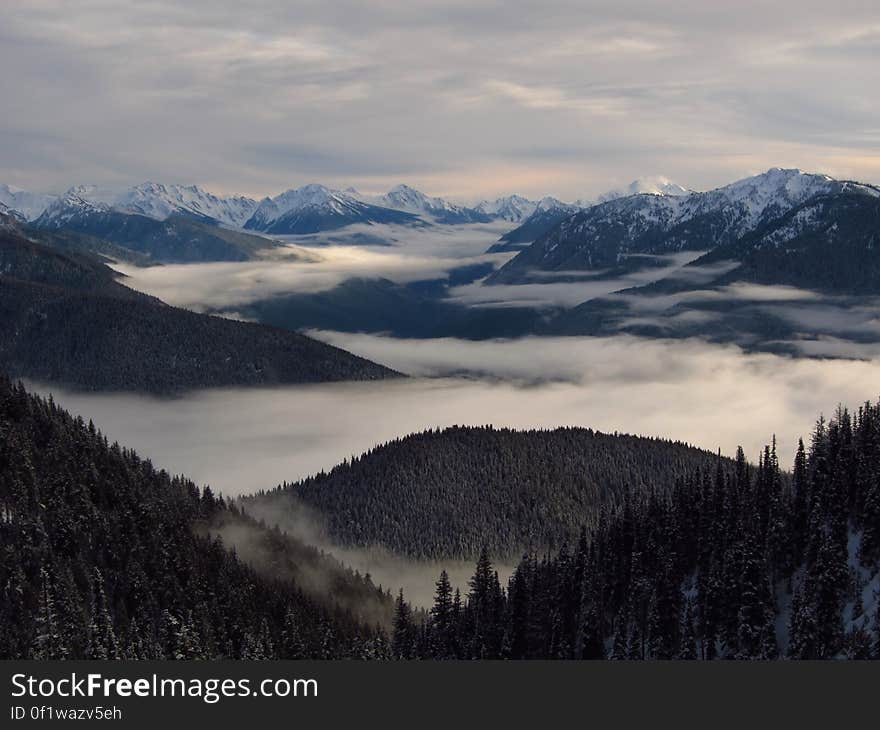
(463, 98)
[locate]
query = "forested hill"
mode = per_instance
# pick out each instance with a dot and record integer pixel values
(744, 565)
(104, 557)
(65, 318)
(450, 493)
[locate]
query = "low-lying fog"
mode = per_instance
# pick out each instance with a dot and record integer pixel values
(240, 440)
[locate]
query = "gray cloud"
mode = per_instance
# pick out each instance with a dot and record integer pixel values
(461, 98)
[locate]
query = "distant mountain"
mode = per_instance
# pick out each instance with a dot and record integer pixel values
(658, 185)
(10, 215)
(28, 204)
(154, 200)
(181, 238)
(418, 309)
(825, 246)
(604, 235)
(513, 208)
(314, 208)
(65, 318)
(160, 201)
(405, 198)
(548, 213)
(452, 493)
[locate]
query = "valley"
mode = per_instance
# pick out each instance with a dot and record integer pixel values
(379, 388)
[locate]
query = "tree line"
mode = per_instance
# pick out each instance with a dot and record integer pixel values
(739, 565)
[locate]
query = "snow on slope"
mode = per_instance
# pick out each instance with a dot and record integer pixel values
(657, 185)
(513, 208)
(313, 195)
(28, 204)
(158, 200)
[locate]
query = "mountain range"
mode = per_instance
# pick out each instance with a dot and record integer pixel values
(604, 235)
(67, 318)
(309, 209)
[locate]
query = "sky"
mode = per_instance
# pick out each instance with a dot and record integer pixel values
(461, 98)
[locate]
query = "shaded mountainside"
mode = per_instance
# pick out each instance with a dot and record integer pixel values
(418, 309)
(66, 320)
(536, 225)
(450, 493)
(745, 565)
(831, 244)
(104, 557)
(180, 238)
(827, 247)
(31, 261)
(314, 208)
(600, 237)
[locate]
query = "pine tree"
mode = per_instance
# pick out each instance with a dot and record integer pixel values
(48, 642)
(404, 640)
(102, 635)
(687, 649)
(442, 626)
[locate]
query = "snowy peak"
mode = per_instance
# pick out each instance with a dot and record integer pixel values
(154, 200)
(157, 200)
(549, 203)
(774, 192)
(26, 204)
(308, 196)
(513, 208)
(314, 208)
(406, 198)
(656, 185)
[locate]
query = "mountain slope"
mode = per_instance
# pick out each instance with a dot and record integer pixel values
(810, 274)
(315, 208)
(451, 493)
(178, 239)
(419, 310)
(405, 198)
(26, 203)
(160, 201)
(547, 215)
(604, 235)
(751, 566)
(830, 243)
(65, 319)
(513, 208)
(659, 185)
(104, 557)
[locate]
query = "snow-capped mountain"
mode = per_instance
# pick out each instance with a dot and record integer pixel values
(158, 200)
(513, 208)
(314, 208)
(28, 204)
(175, 239)
(406, 198)
(78, 202)
(154, 200)
(604, 235)
(548, 213)
(657, 185)
(9, 218)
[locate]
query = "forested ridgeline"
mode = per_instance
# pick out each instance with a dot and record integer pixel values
(65, 319)
(741, 565)
(449, 493)
(103, 556)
